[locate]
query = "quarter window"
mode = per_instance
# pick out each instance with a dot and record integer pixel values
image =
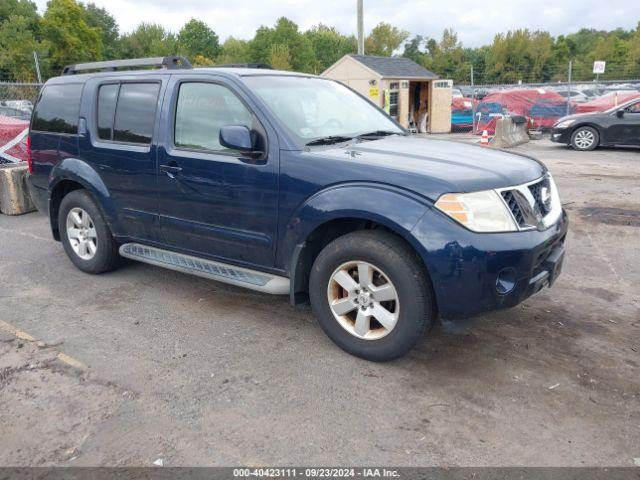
(58, 109)
(202, 110)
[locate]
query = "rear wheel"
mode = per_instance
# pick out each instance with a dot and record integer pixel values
(85, 235)
(371, 295)
(585, 138)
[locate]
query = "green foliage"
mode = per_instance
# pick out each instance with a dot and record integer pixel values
(384, 40)
(329, 46)
(197, 39)
(279, 56)
(65, 25)
(285, 32)
(17, 44)
(148, 40)
(70, 31)
(234, 51)
(102, 20)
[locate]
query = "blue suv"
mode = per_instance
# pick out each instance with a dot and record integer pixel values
(290, 184)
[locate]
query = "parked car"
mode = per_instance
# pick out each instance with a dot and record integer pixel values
(291, 184)
(575, 95)
(586, 131)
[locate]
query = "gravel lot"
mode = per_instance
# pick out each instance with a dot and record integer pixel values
(145, 364)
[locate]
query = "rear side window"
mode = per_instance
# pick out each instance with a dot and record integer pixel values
(58, 109)
(126, 112)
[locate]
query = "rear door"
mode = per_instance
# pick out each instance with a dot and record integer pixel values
(214, 201)
(119, 143)
(625, 130)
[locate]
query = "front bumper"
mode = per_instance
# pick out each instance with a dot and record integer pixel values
(561, 135)
(474, 273)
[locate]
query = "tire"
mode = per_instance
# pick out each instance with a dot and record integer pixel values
(103, 256)
(585, 139)
(393, 263)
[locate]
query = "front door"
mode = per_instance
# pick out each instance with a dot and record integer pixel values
(625, 130)
(214, 201)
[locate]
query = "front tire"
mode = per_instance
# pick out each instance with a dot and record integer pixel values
(371, 295)
(585, 139)
(85, 235)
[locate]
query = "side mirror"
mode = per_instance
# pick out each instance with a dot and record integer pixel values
(237, 137)
(620, 113)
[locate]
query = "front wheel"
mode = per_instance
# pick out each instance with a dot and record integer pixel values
(371, 295)
(585, 138)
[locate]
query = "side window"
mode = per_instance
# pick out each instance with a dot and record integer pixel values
(58, 109)
(135, 112)
(107, 99)
(202, 110)
(635, 108)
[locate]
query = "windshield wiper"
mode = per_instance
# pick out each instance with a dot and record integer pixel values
(331, 139)
(378, 133)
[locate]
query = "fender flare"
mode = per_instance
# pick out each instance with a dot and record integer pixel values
(78, 171)
(394, 208)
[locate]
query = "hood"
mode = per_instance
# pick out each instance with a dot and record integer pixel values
(575, 116)
(432, 167)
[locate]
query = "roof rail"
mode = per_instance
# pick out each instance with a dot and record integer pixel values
(245, 65)
(171, 62)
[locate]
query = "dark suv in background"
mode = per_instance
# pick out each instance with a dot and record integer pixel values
(290, 184)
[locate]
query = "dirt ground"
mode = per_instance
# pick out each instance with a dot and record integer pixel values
(144, 364)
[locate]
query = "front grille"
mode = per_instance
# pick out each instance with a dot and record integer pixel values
(511, 202)
(536, 191)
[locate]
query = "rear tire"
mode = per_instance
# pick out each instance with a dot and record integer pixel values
(380, 317)
(585, 139)
(85, 235)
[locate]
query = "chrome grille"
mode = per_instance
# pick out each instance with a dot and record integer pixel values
(537, 190)
(511, 202)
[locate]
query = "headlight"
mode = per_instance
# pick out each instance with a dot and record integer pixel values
(565, 123)
(478, 211)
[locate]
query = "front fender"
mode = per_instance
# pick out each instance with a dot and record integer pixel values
(78, 171)
(391, 207)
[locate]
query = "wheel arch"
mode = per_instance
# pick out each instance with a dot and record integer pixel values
(353, 208)
(73, 174)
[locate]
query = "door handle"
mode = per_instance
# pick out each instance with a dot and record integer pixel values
(171, 170)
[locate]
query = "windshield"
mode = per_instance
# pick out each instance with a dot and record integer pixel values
(313, 108)
(622, 106)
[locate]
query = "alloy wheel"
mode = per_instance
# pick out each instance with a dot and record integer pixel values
(363, 300)
(584, 139)
(81, 233)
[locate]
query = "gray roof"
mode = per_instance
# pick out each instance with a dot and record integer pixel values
(394, 67)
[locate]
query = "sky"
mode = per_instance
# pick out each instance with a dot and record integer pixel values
(475, 21)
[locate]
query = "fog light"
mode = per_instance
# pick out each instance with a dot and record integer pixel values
(506, 281)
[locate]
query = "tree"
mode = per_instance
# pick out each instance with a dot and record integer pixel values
(17, 44)
(384, 40)
(329, 46)
(196, 38)
(279, 57)
(99, 18)
(20, 8)
(65, 26)
(148, 40)
(285, 32)
(520, 55)
(234, 51)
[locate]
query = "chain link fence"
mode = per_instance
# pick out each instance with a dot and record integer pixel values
(16, 105)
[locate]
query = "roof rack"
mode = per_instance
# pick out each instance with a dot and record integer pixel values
(245, 65)
(171, 62)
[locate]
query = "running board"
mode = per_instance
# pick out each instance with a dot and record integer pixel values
(222, 272)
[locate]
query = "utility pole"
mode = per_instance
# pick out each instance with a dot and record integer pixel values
(569, 89)
(360, 28)
(473, 104)
(35, 59)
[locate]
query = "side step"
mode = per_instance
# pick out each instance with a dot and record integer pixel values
(222, 272)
